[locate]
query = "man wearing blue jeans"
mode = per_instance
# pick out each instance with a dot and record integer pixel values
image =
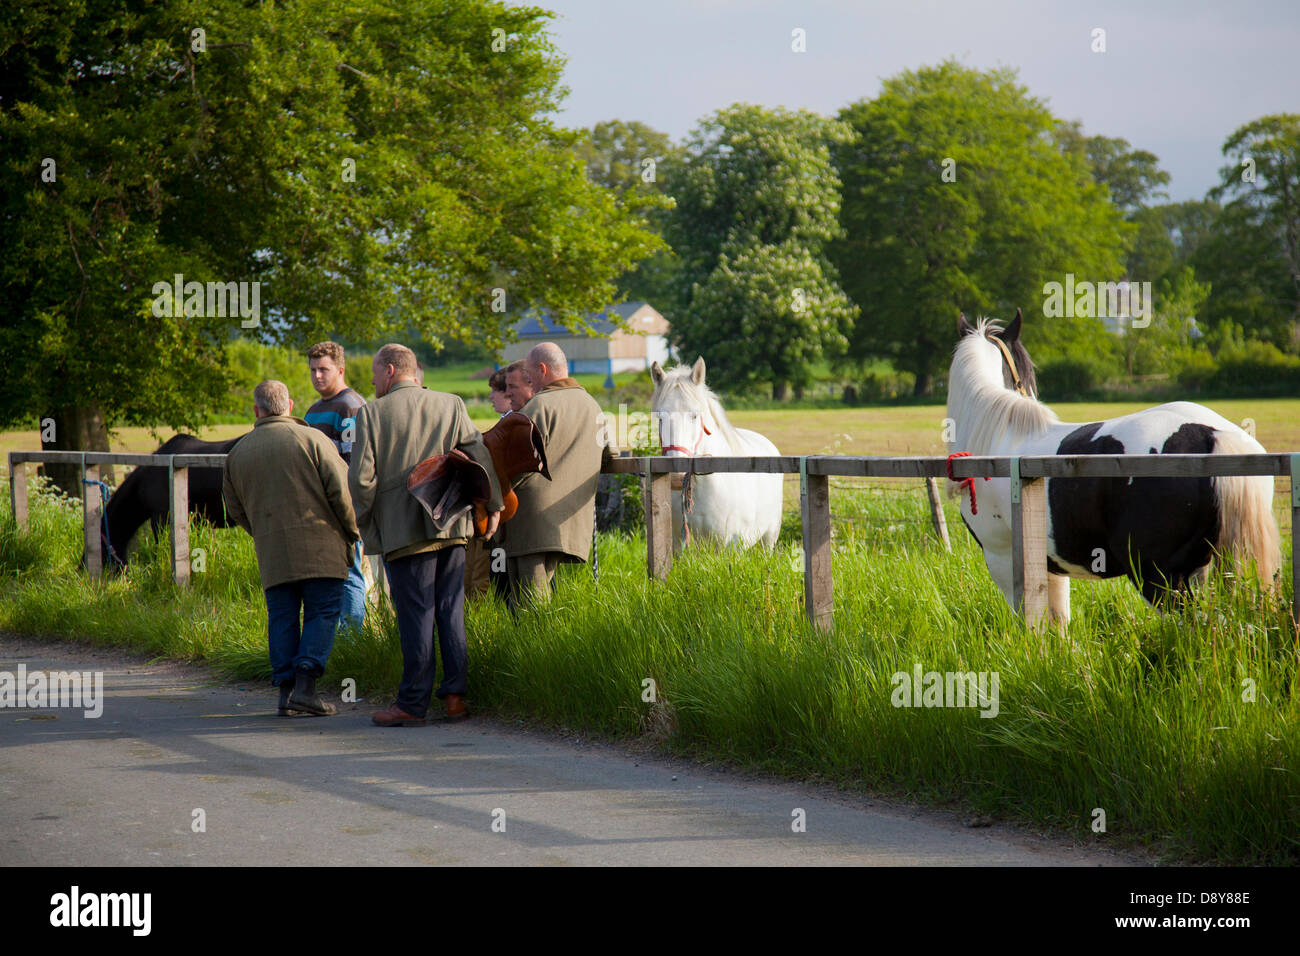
(286, 485)
(335, 416)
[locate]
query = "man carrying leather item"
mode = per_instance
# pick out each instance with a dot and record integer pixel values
(286, 485)
(405, 425)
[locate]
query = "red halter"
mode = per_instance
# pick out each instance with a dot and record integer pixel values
(967, 483)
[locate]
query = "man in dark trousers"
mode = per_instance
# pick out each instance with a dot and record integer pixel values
(286, 485)
(335, 415)
(402, 427)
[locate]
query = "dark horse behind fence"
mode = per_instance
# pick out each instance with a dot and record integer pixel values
(143, 496)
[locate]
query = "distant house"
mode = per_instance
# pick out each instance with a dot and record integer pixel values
(607, 349)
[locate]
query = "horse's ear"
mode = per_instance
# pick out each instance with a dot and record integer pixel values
(964, 327)
(1012, 331)
(656, 372)
(697, 371)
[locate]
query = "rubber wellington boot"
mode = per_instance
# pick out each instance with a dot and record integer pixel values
(286, 689)
(306, 699)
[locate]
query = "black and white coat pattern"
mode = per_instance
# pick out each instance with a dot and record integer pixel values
(1162, 533)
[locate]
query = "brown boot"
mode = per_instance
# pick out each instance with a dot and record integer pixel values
(455, 707)
(396, 717)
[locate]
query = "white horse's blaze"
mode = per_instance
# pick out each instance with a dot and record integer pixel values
(729, 507)
(1161, 532)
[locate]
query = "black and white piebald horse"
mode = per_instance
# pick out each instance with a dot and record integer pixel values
(1160, 532)
(143, 496)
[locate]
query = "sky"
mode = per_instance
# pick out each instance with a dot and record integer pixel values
(1176, 78)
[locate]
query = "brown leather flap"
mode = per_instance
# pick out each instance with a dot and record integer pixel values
(448, 486)
(516, 447)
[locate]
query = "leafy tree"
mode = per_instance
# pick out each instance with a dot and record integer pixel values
(1130, 176)
(633, 160)
(769, 315)
(1258, 240)
(625, 156)
(371, 167)
(757, 199)
(1169, 236)
(1165, 344)
(958, 198)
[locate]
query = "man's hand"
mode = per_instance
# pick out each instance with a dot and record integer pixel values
(494, 521)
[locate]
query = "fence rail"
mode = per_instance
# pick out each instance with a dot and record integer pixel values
(1028, 501)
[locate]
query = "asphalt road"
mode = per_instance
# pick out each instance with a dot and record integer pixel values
(127, 788)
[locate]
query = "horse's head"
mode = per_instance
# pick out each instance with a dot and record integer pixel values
(996, 354)
(681, 406)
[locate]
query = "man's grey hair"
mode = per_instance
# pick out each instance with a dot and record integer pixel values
(550, 354)
(401, 358)
(272, 397)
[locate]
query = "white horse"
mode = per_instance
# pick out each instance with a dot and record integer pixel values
(727, 507)
(1160, 532)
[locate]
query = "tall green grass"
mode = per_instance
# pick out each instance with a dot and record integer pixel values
(1142, 715)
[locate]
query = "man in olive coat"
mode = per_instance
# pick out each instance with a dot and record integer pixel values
(556, 518)
(426, 567)
(286, 485)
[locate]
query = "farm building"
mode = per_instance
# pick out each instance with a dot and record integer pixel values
(608, 348)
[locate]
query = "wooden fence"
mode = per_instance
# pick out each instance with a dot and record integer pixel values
(178, 492)
(1028, 501)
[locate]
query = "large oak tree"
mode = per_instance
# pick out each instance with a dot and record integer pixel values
(958, 197)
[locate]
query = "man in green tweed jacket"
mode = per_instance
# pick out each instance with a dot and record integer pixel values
(402, 427)
(556, 518)
(286, 485)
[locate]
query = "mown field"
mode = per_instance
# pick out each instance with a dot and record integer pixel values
(888, 430)
(1180, 728)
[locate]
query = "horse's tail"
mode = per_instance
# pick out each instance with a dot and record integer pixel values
(1247, 529)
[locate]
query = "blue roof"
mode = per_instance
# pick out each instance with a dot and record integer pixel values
(538, 323)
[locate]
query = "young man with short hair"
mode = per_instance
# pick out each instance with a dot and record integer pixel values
(335, 415)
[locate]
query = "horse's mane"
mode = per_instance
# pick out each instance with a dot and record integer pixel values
(985, 412)
(678, 380)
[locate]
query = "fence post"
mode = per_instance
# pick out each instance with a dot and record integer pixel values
(1028, 545)
(1295, 552)
(179, 486)
(936, 513)
(818, 584)
(92, 509)
(18, 491)
(658, 523)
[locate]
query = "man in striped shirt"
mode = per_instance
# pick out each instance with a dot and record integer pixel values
(335, 415)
